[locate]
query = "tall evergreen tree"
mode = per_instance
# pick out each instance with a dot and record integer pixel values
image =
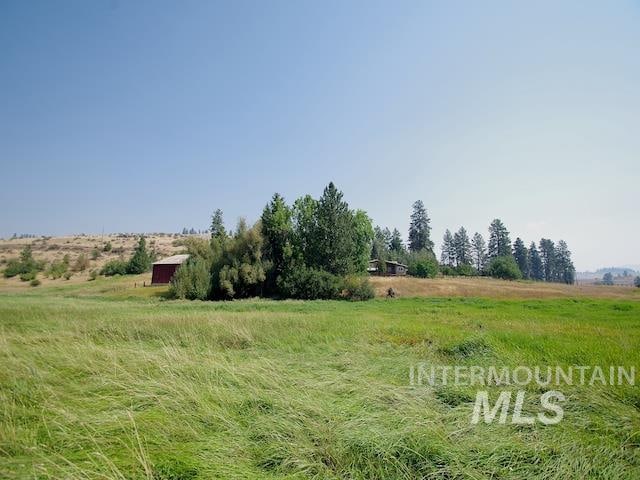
(379, 248)
(396, 245)
(536, 269)
(217, 225)
(478, 252)
(521, 255)
(499, 241)
(419, 229)
(462, 247)
(566, 272)
(277, 232)
(141, 260)
(448, 256)
(548, 257)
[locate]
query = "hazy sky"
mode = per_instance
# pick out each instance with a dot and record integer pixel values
(146, 116)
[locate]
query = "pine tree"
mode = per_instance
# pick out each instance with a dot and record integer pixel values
(336, 246)
(462, 247)
(217, 225)
(548, 257)
(478, 252)
(448, 255)
(499, 241)
(536, 269)
(419, 229)
(566, 272)
(277, 231)
(396, 245)
(521, 256)
(141, 260)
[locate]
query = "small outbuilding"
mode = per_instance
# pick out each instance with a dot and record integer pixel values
(391, 268)
(164, 269)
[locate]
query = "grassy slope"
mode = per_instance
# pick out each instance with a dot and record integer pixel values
(94, 384)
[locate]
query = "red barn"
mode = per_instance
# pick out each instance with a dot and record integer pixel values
(164, 269)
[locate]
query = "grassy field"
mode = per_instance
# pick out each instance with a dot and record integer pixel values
(103, 380)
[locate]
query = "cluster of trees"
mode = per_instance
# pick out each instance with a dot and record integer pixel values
(140, 261)
(547, 261)
(315, 248)
(26, 266)
(192, 231)
(417, 255)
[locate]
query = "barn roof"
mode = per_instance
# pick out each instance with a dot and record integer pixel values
(173, 260)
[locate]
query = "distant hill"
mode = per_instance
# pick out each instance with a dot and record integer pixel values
(621, 275)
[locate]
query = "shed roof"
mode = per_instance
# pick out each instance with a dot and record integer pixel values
(173, 260)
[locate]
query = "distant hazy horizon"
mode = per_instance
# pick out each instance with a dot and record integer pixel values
(146, 116)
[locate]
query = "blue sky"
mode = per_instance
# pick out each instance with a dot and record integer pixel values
(146, 116)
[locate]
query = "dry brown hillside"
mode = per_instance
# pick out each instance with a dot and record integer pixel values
(55, 248)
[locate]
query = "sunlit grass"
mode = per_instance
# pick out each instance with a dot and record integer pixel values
(104, 383)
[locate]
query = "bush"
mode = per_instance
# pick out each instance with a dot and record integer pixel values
(95, 253)
(447, 270)
(68, 275)
(93, 274)
(422, 264)
(192, 280)
(308, 284)
(81, 263)
(107, 247)
(636, 282)
(28, 276)
(57, 269)
(504, 267)
(35, 282)
(357, 288)
(14, 267)
(114, 267)
(466, 270)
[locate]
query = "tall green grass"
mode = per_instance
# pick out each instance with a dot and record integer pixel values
(109, 387)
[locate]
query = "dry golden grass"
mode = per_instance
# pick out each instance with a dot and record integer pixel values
(492, 288)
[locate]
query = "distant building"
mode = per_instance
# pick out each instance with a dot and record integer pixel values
(164, 269)
(392, 268)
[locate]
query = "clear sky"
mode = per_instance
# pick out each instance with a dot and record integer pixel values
(147, 115)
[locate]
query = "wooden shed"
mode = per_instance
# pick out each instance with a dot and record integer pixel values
(164, 269)
(391, 268)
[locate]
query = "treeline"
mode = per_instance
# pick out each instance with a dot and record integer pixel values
(547, 261)
(314, 248)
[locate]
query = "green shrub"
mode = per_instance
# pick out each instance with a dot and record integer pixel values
(114, 267)
(14, 267)
(192, 280)
(422, 264)
(57, 269)
(24, 265)
(357, 288)
(107, 247)
(28, 276)
(504, 267)
(68, 275)
(307, 284)
(35, 282)
(447, 270)
(95, 253)
(466, 270)
(93, 274)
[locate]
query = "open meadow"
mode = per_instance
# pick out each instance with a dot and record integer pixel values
(102, 379)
